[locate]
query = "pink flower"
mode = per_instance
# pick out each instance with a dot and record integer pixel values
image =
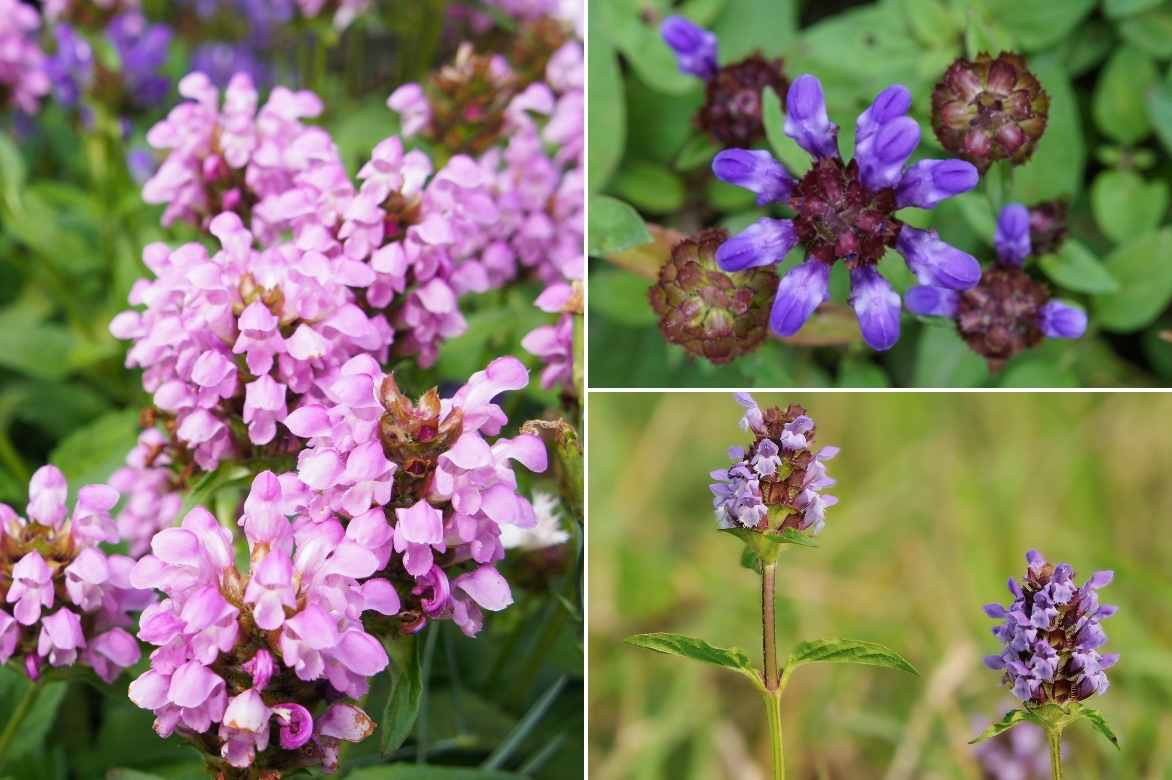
(245, 728)
(31, 589)
(22, 62)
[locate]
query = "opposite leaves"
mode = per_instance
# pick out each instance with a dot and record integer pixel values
(1011, 719)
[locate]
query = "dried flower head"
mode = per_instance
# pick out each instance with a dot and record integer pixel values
(709, 312)
(1051, 634)
(990, 109)
(776, 483)
(846, 211)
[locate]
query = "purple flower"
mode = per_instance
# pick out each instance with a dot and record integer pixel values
(1018, 754)
(23, 77)
(142, 49)
(220, 61)
(695, 48)
(71, 66)
(846, 211)
(777, 482)
(1051, 633)
(554, 344)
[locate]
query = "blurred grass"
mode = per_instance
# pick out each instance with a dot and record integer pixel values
(941, 496)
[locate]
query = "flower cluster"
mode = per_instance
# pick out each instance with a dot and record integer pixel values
(708, 312)
(282, 642)
(847, 212)
(64, 600)
(734, 93)
(437, 465)
(1051, 634)
(1008, 311)
(554, 344)
(777, 483)
(150, 489)
(23, 80)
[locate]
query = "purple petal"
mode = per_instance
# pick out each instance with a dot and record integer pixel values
(487, 588)
(877, 306)
(1062, 321)
(891, 103)
(1013, 233)
(935, 262)
(695, 48)
(806, 120)
(930, 181)
(1101, 579)
(798, 295)
(928, 301)
(756, 171)
(765, 242)
(881, 162)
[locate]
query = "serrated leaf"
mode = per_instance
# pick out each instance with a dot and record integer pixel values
(1075, 268)
(614, 226)
(1099, 723)
(1008, 721)
(846, 651)
(698, 650)
(406, 679)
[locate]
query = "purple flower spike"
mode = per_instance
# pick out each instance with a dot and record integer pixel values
(1062, 321)
(756, 171)
(930, 181)
(877, 307)
(765, 242)
(928, 301)
(695, 48)
(1013, 234)
(937, 263)
(806, 120)
(882, 165)
(801, 291)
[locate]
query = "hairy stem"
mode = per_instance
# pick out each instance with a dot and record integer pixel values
(16, 719)
(776, 745)
(1055, 738)
(769, 625)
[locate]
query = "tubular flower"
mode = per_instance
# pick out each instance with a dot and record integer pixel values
(707, 311)
(776, 483)
(249, 661)
(554, 344)
(23, 79)
(846, 211)
(1051, 634)
(150, 488)
(1008, 311)
(437, 469)
(734, 93)
(990, 109)
(63, 601)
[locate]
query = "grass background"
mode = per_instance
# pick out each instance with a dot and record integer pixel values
(941, 496)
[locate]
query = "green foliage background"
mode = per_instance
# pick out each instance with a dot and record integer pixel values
(1105, 64)
(941, 496)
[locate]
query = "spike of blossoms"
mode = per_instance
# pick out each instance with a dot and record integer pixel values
(23, 80)
(988, 109)
(732, 110)
(1051, 634)
(1008, 311)
(777, 482)
(277, 647)
(151, 489)
(846, 212)
(439, 466)
(63, 601)
(708, 312)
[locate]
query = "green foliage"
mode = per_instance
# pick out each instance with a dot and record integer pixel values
(698, 650)
(405, 695)
(1008, 721)
(846, 651)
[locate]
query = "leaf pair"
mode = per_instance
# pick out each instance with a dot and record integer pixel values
(1051, 717)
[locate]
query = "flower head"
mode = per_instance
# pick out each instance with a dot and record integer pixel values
(63, 600)
(1051, 634)
(709, 312)
(846, 211)
(1008, 311)
(990, 109)
(777, 482)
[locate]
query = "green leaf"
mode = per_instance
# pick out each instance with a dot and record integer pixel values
(1088, 46)
(205, 489)
(1011, 719)
(698, 152)
(944, 360)
(1126, 206)
(642, 45)
(614, 226)
(1151, 31)
(92, 453)
(421, 772)
(1099, 723)
(30, 344)
(1160, 112)
(525, 726)
(650, 187)
(1145, 283)
(1033, 371)
(859, 372)
(767, 547)
(621, 297)
(1056, 168)
(698, 650)
(606, 127)
(1117, 8)
(406, 681)
(1038, 24)
(846, 651)
(748, 25)
(1120, 94)
(31, 735)
(1075, 268)
(785, 148)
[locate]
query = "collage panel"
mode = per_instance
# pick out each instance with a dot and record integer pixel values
(939, 193)
(891, 524)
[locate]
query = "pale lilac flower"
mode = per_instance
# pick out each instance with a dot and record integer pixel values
(554, 344)
(23, 78)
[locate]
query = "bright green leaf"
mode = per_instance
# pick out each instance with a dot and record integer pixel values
(1099, 723)
(944, 360)
(621, 297)
(748, 25)
(1126, 206)
(1116, 8)
(94, 452)
(614, 226)
(1011, 719)
(1119, 108)
(1144, 275)
(1151, 31)
(698, 650)
(650, 187)
(606, 124)
(1056, 168)
(1038, 24)
(846, 651)
(698, 152)
(1075, 268)
(406, 692)
(1160, 112)
(31, 345)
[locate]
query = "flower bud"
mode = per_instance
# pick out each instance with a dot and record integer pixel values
(1001, 316)
(707, 311)
(989, 109)
(733, 97)
(1047, 226)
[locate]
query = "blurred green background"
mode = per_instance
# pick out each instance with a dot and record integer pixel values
(941, 496)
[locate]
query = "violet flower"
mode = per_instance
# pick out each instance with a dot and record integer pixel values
(71, 66)
(695, 48)
(1051, 634)
(1008, 311)
(776, 483)
(66, 601)
(554, 344)
(142, 51)
(847, 212)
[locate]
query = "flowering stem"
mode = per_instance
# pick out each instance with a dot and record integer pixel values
(776, 745)
(23, 708)
(769, 625)
(1055, 738)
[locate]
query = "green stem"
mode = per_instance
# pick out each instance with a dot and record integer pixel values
(23, 707)
(1055, 739)
(776, 745)
(769, 625)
